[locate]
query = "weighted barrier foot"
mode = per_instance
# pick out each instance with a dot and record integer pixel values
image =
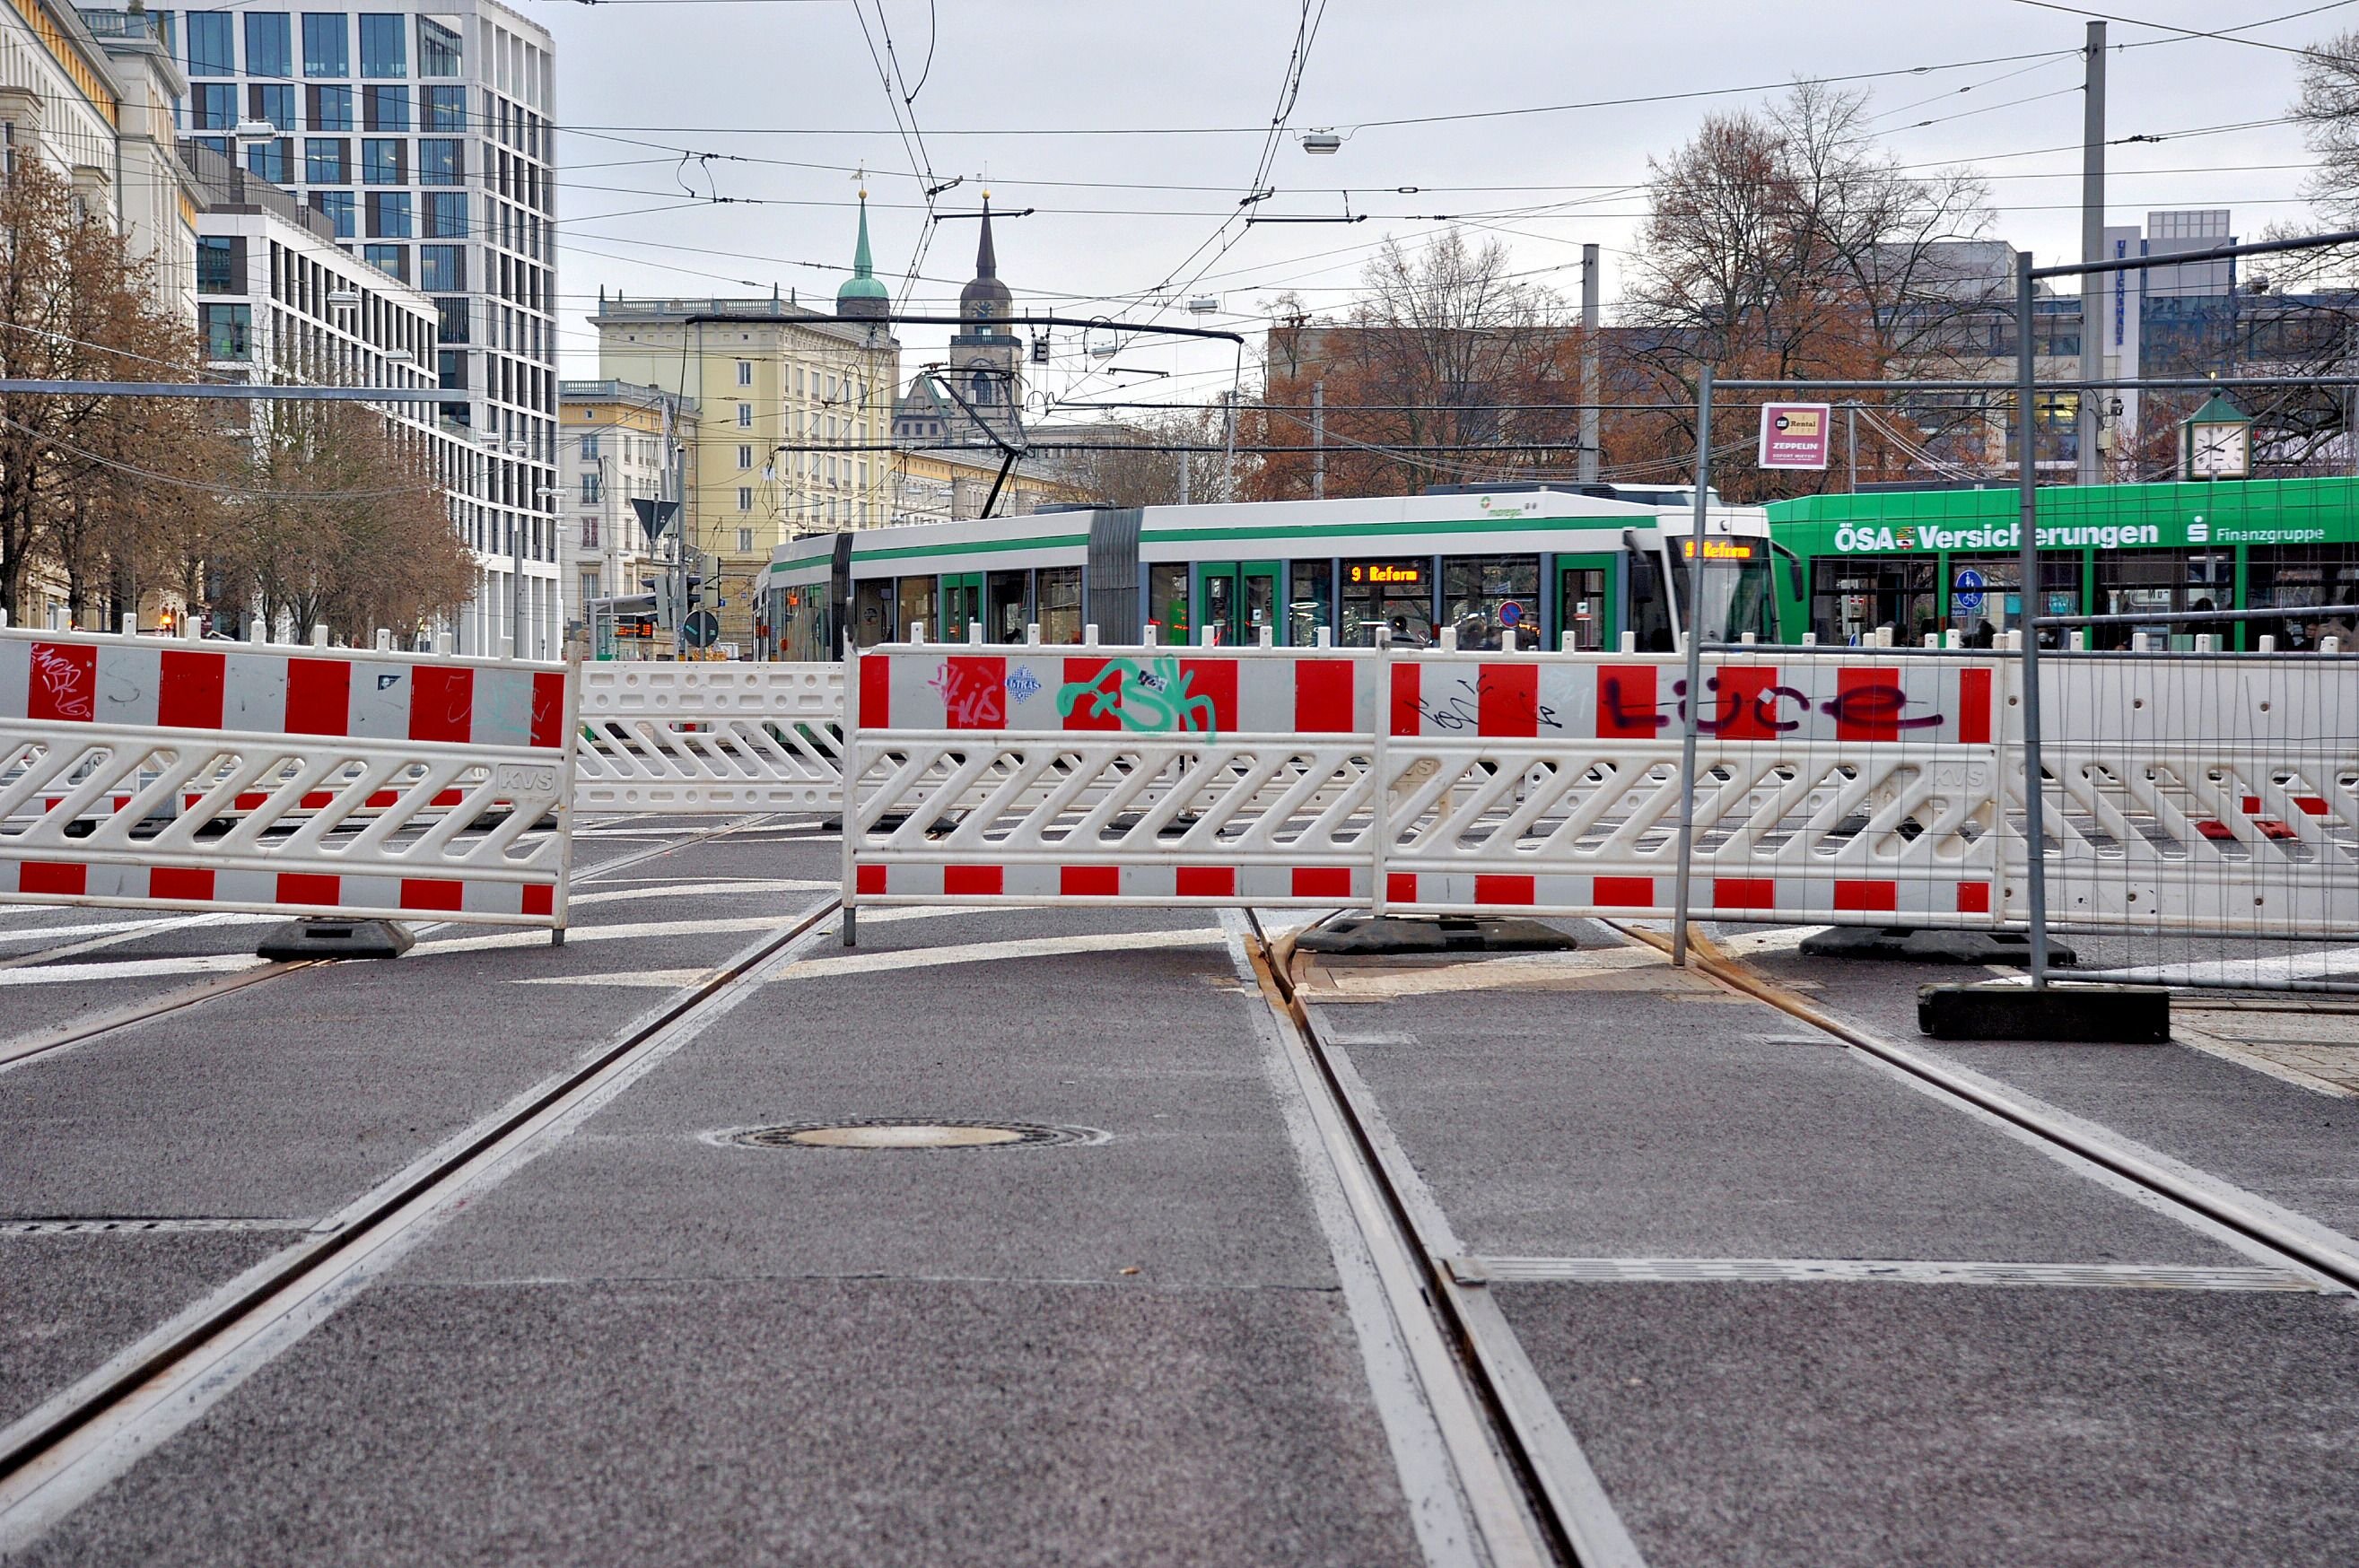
(335, 939)
(1368, 936)
(1907, 944)
(2065, 1014)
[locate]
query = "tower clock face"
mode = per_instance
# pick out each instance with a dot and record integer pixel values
(2221, 451)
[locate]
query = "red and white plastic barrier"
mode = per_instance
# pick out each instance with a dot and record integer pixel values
(146, 772)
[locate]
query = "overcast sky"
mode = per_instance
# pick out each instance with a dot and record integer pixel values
(1135, 128)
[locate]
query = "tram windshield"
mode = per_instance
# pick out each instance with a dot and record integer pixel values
(1739, 596)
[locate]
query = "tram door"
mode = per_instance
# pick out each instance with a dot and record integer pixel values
(962, 604)
(1584, 601)
(1238, 600)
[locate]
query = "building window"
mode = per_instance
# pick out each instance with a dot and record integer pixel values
(744, 457)
(385, 162)
(745, 493)
(341, 210)
(438, 49)
(391, 260)
(590, 579)
(229, 330)
(385, 108)
(450, 367)
(275, 105)
(745, 541)
(269, 46)
(271, 160)
(594, 489)
(452, 321)
(327, 44)
(385, 50)
(590, 449)
(446, 215)
(442, 269)
(442, 109)
(212, 106)
(213, 48)
(217, 266)
(331, 108)
(745, 372)
(745, 416)
(389, 216)
(327, 160)
(440, 161)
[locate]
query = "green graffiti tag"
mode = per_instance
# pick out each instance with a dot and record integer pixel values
(1146, 698)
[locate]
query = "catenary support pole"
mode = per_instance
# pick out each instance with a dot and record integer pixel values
(1318, 440)
(2092, 249)
(2035, 828)
(1590, 379)
(1851, 447)
(1694, 705)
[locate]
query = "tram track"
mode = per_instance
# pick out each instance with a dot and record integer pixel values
(26, 1047)
(58, 1454)
(2307, 1248)
(1530, 1491)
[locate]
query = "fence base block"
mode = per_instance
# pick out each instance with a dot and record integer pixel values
(1909, 945)
(300, 939)
(2066, 1014)
(1364, 936)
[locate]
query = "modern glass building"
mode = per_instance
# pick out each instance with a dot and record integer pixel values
(424, 136)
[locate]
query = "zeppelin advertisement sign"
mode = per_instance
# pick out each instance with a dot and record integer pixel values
(1795, 435)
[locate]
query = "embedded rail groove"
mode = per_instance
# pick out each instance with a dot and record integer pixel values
(1560, 1498)
(33, 1459)
(2330, 1256)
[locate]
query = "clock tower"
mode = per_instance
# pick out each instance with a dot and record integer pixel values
(987, 361)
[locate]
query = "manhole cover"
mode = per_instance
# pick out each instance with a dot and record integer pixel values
(882, 1134)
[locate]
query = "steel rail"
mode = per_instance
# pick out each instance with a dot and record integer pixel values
(1562, 1495)
(26, 1047)
(2328, 1255)
(43, 1448)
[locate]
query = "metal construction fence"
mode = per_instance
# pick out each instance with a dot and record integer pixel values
(155, 772)
(1835, 787)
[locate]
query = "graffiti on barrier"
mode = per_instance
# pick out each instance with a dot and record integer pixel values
(1146, 697)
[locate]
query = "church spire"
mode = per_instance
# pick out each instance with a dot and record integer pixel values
(861, 294)
(986, 261)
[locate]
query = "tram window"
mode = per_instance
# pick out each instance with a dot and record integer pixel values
(1985, 597)
(1393, 593)
(1855, 595)
(1311, 585)
(802, 622)
(2302, 574)
(1060, 604)
(1650, 609)
(871, 613)
(1167, 599)
(917, 606)
(2161, 582)
(1008, 609)
(1492, 600)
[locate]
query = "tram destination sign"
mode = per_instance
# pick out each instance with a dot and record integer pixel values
(1388, 574)
(1796, 435)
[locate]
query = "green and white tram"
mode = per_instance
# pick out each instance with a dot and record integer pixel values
(1525, 567)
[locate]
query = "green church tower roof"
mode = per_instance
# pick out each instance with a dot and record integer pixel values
(861, 296)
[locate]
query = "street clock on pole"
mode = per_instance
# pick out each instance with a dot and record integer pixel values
(2217, 442)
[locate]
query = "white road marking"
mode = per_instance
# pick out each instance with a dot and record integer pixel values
(1783, 940)
(538, 939)
(2334, 964)
(992, 952)
(651, 979)
(139, 968)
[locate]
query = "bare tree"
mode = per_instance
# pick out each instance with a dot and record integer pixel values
(88, 493)
(2328, 112)
(1133, 463)
(1788, 242)
(337, 519)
